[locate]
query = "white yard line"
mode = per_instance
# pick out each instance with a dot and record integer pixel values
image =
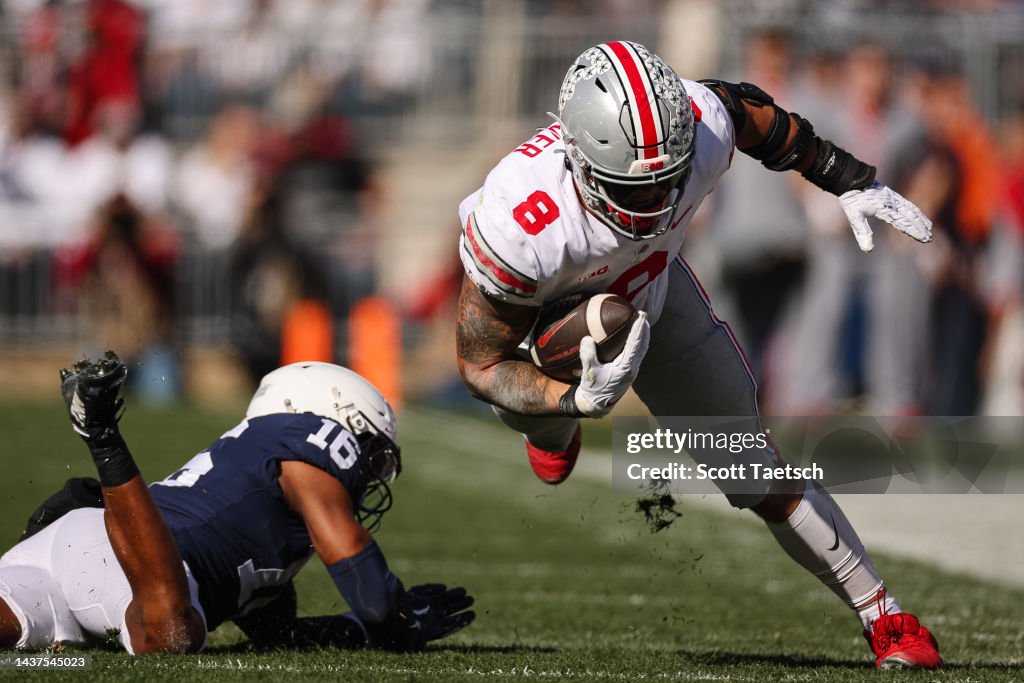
(978, 535)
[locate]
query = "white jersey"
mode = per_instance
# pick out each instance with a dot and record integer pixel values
(528, 239)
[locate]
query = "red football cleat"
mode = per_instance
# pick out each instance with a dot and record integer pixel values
(900, 642)
(554, 468)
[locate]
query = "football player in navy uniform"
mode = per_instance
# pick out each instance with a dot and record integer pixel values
(307, 471)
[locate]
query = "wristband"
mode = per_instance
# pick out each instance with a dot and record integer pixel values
(567, 404)
(837, 171)
(114, 463)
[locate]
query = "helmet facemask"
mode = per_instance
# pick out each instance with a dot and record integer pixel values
(381, 461)
(640, 207)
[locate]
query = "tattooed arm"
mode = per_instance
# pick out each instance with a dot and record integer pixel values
(488, 332)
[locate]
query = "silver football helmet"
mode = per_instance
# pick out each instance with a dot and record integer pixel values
(629, 129)
(339, 394)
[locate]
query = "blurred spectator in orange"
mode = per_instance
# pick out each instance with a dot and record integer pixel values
(965, 129)
(214, 179)
(957, 185)
(108, 70)
(1002, 363)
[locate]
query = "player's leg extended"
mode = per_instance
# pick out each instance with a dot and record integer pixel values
(690, 347)
(694, 367)
(552, 443)
(35, 611)
(160, 617)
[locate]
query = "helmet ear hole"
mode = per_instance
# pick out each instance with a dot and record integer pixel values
(358, 423)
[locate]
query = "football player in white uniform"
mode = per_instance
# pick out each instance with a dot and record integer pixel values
(600, 201)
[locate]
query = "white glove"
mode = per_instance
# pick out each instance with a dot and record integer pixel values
(879, 201)
(603, 384)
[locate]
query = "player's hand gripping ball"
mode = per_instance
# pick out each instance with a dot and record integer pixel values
(555, 348)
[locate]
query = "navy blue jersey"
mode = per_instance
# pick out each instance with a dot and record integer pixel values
(227, 512)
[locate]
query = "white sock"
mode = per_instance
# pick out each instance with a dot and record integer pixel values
(877, 607)
(821, 540)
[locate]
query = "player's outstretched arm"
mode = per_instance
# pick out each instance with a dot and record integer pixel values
(392, 617)
(488, 333)
(784, 141)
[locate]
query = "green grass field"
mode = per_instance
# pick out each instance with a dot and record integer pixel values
(570, 584)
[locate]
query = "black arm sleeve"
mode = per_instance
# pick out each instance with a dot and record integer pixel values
(367, 585)
(833, 169)
(837, 171)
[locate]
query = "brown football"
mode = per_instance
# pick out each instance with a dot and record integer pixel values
(555, 346)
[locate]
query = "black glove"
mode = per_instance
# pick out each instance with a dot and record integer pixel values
(425, 613)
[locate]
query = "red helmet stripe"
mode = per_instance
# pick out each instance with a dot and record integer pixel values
(641, 98)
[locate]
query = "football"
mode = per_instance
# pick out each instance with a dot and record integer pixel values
(555, 344)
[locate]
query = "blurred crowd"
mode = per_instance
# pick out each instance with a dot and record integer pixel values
(147, 143)
(163, 161)
(907, 329)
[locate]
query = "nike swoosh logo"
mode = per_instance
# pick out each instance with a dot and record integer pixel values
(421, 612)
(835, 546)
(546, 337)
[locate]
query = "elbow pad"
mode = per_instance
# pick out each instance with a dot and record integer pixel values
(733, 95)
(773, 152)
(366, 583)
